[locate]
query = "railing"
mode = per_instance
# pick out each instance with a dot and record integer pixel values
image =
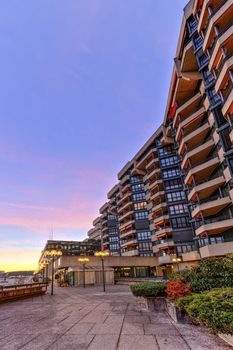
(211, 50)
(210, 178)
(20, 291)
(212, 15)
(198, 224)
(227, 91)
(219, 69)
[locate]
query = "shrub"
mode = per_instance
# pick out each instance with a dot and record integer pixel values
(176, 289)
(213, 309)
(149, 289)
(212, 273)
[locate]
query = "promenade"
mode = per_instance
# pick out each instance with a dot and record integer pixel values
(80, 319)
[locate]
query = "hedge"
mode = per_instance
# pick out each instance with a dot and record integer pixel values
(209, 274)
(213, 309)
(149, 289)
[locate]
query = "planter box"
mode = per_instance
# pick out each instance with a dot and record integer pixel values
(177, 315)
(152, 303)
(227, 338)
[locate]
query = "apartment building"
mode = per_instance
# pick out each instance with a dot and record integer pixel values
(134, 232)
(109, 229)
(95, 232)
(199, 110)
(175, 197)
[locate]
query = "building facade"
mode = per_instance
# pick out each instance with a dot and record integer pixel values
(175, 197)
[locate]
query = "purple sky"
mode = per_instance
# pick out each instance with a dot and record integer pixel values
(83, 85)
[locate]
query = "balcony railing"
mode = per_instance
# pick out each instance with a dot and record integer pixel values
(200, 223)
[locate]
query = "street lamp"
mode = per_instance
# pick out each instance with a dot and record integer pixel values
(102, 254)
(53, 253)
(177, 260)
(83, 261)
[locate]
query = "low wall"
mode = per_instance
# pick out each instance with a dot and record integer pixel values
(9, 293)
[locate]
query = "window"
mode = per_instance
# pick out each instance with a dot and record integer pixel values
(202, 58)
(166, 150)
(178, 209)
(139, 196)
(112, 231)
(171, 173)
(145, 246)
(134, 179)
(213, 96)
(208, 76)
(172, 184)
(168, 161)
(197, 41)
(144, 235)
(192, 25)
(141, 215)
(180, 222)
(113, 239)
(175, 196)
(136, 188)
(111, 217)
(140, 205)
(114, 246)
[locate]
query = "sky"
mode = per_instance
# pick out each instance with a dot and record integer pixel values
(83, 85)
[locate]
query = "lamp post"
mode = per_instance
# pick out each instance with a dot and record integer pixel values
(83, 261)
(53, 253)
(177, 260)
(102, 254)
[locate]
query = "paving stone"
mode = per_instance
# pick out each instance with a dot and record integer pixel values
(72, 342)
(160, 329)
(137, 342)
(137, 319)
(133, 328)
(80, 328)
(104, 342)
(172, 343)
(105, 328)
(206, 342)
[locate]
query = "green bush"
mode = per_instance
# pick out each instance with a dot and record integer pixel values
(209, 274)
(149, 289)
(213, 309)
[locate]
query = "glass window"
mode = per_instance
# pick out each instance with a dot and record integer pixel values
(171, 173)
(143, 235)
(141, 215)
(168, 161)
(140, 205)
(178, 209)
(180, 222)
(136, 188)
(139, 196)
(175, 196)
(172, 184)
(144, 246)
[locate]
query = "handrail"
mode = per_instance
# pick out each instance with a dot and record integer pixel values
(21, 286)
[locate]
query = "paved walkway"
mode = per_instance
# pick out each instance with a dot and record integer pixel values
(80, 319)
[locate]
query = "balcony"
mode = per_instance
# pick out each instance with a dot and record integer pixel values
(125, 234)
(206, 188)
(163, 244)
(128, 205)
(191, 256)
(197, 154)
(213, 250)
(157, 197)
(125, 224)
(159, 207)
(223, 40)
(189, 123)
(141, 165)
(214, 226)
(161, 232)
(161, 219)
(221, 18)
(228, 100)
(187, 108)
(166, 259)
(156, 182)
(152, 174)
(195, 138)
(133, 252)
(184, 89)
(126, 215)
(153, 162)
(222, 72)
(129, 243)
(204, 15)
(212, 207)
(124, 180)
(126, 196)
(202, 171)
